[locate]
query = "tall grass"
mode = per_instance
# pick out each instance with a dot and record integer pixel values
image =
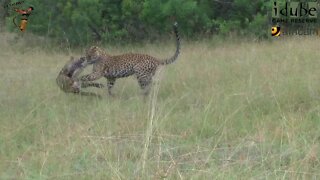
(225, 111)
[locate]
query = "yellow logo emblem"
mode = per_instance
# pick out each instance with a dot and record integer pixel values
(275, 31)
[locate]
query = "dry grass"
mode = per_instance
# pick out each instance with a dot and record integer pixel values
(223, 111)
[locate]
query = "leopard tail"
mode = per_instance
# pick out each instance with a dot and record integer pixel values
(176, 54)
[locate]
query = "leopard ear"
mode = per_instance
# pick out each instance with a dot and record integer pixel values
(94, 48)
(88, 49)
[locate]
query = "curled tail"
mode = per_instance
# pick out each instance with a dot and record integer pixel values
(176, 54)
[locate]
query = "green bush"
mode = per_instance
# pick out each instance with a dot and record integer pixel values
(81, 22)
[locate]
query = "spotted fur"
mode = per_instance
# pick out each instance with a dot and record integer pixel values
(67, 79)
(143, 66)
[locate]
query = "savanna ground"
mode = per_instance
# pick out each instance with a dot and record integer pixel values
(244, 110)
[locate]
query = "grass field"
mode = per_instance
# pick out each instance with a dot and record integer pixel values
(223, 111)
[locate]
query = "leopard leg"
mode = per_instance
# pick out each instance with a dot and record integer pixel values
(91, 84)
(145, 84)
(110, 84)
(91, 77)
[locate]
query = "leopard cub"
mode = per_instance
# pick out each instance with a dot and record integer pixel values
(67, 78)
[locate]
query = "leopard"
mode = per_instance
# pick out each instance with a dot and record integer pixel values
(67, 78)
(112, 67)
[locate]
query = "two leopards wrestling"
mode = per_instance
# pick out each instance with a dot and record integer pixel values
(112, 67)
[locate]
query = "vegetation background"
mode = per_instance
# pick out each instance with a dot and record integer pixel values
(241, 107)
(85, 21)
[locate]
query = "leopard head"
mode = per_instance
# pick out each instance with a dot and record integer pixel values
(92, 54)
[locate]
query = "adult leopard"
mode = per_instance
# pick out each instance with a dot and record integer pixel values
(143, 66)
